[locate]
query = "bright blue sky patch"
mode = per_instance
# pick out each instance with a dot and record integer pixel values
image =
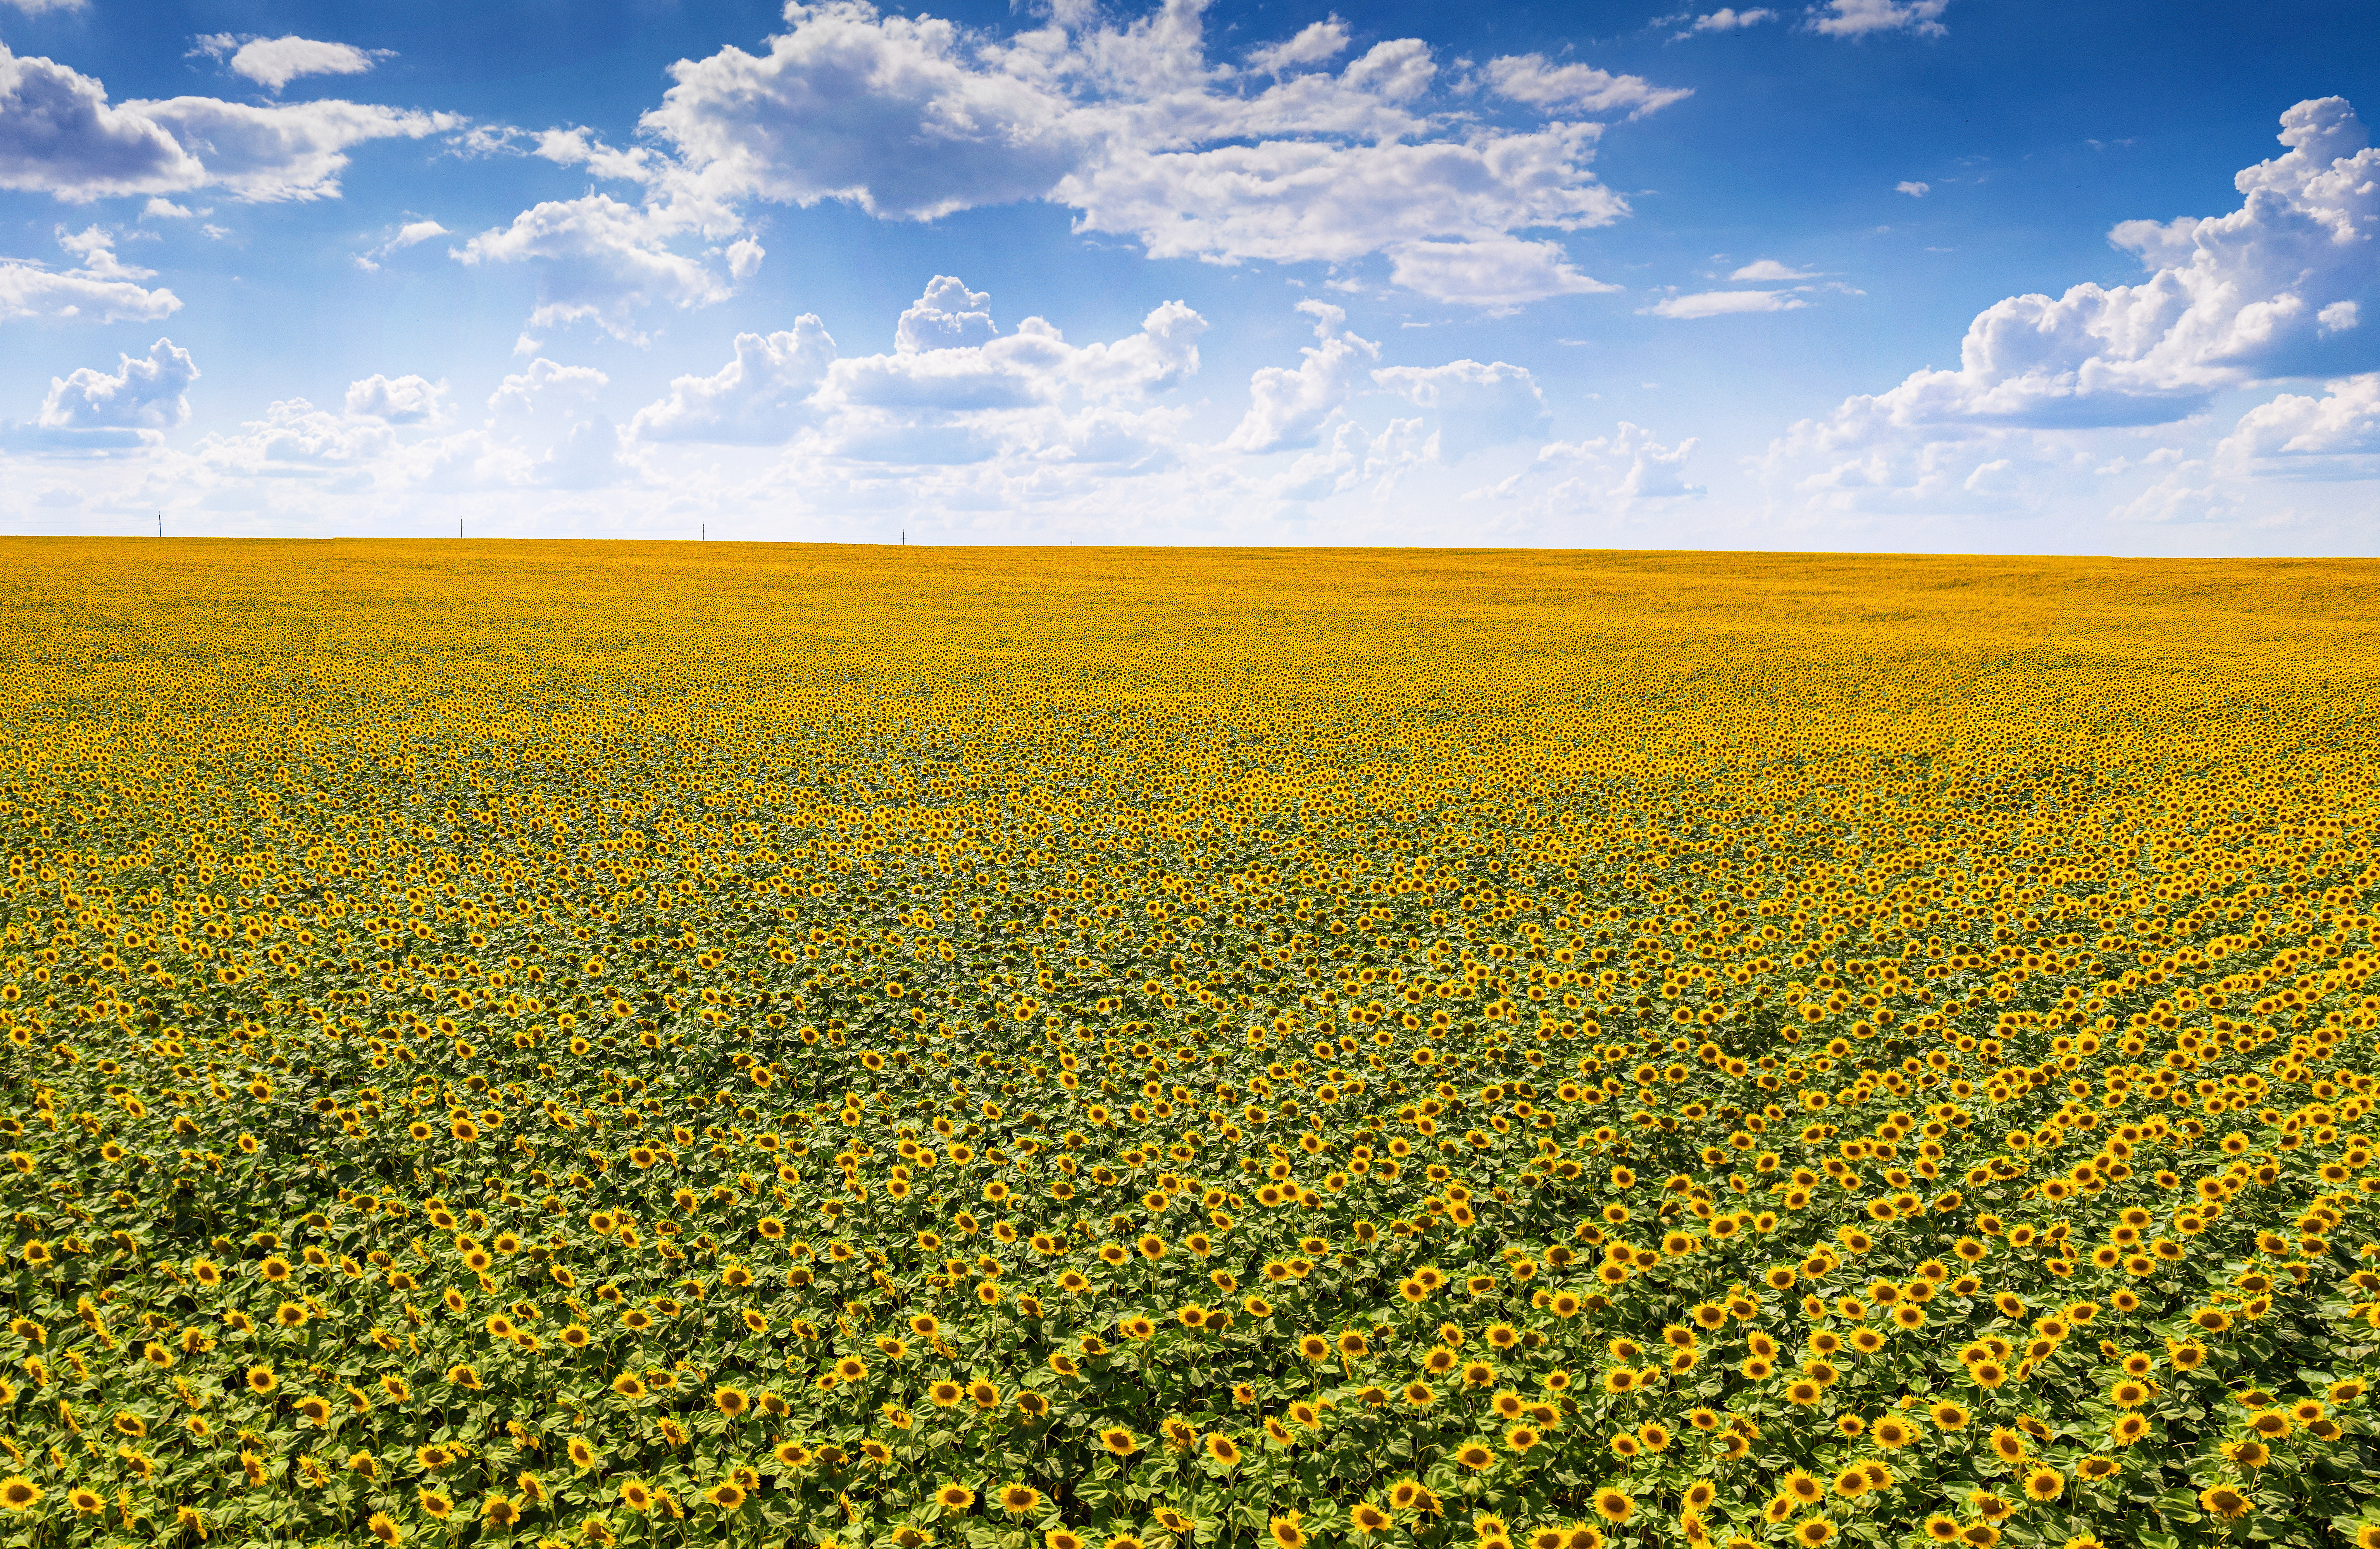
(1872, 273)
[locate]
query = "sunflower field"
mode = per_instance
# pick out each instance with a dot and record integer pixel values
(1072, 1049)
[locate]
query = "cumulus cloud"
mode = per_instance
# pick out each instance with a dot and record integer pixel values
(1142, 136)
(901, 116)
(1723, 303)
(264, 155)
(954, 389)
(1498, 272)
(545, 385)
(102, 288)
(403, 400)
(2228, 301)
(296, 440)
(59, 135)
(1304, 200)
(145, 394)
(37, 7)
(2345, 421)
(1859, 18)
(947, 316)
(1913, 189)
(1638, 467)
(1476, 406)
(274, 63)
(602, 261)
(1287, 407)
(410, 234)
(1320, 42)
(1768, 269)
(761, 396)
(1353, 459)
(1726, 19)
(1527, 77)
(1619, 475)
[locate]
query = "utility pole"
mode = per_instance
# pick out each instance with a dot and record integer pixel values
(161, 524)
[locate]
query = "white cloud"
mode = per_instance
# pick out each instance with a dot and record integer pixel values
(1726, 19)
(144, 394)
(1288, 407)
(1628, 465)
(762, 395)
(947, 316)
(1494, 272)
(274, 63)
(2229, 302)
(162, 209)
(2344, 421)
(580, 147)
(1353, 459)
(1475, 407)
(264, 155)
(1305, 200)
(2337, 317)
(60, 136)
(37, 7)
(95, 244)
(1319, 42)
(1722, 303)
(1624, 474)
(1527, 78)
(545, 385)
(1768, 269)
(102, 289)
(295, 439)
(410, 234)
(1137, 131)
(1913, 189)
(955, 390)
(404, 401)
(1858, 19)
(894, 113)
(601, 262)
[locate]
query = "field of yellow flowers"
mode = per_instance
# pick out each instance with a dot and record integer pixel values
(882, 1049)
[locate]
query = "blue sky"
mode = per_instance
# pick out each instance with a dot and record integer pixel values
(1939, 274)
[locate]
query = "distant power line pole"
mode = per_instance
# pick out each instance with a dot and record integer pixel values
(161, 524)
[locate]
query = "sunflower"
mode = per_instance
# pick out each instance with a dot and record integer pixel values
(1614, 1504)
(2226, 1501)
(1019, 1499)
(955, 1497)
(18, 1494)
